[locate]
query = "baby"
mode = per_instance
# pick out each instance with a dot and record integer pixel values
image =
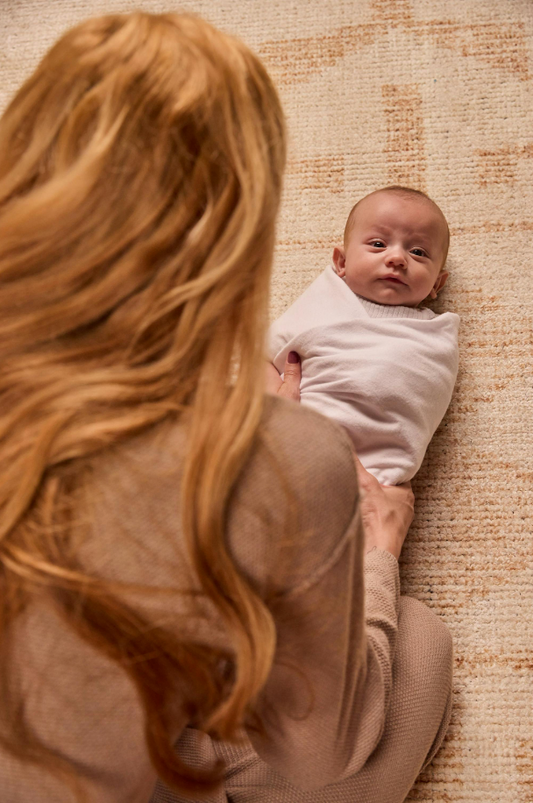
(372, 358)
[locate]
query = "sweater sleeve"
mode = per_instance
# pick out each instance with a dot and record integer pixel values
(324, 705)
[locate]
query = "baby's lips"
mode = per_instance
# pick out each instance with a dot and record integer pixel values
(392, 279)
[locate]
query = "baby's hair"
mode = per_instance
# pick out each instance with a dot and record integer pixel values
(406, 192)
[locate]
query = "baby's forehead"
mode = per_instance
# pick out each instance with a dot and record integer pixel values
(384, 207)
(382, 201)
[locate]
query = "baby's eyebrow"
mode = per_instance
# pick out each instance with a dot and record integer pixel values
(421, 237)
(378, 229)
(424, 239)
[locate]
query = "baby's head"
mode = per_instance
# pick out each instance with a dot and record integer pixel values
(395, 247)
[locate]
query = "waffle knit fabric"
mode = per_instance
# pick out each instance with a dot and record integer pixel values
(438, 96)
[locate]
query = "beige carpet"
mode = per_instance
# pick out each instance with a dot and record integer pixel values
(437, 95)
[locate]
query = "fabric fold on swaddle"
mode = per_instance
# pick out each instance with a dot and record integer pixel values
(385, 373)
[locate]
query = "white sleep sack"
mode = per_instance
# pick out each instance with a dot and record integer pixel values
(386, 373)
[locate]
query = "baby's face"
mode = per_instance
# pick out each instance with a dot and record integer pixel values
(395, 250)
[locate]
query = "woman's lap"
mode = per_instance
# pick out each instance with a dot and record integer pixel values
(416, 722)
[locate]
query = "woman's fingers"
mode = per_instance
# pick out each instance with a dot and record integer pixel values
(406, 494)
(411, 496)
(292, 376)
(366, 480)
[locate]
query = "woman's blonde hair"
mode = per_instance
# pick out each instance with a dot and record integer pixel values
(140, 177)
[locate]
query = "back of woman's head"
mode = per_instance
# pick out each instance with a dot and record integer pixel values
(140, 176)
(144, 153)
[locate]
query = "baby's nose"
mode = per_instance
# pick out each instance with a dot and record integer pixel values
(395, 257)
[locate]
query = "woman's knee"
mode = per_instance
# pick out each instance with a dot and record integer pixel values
(417, 618)
(425, 640)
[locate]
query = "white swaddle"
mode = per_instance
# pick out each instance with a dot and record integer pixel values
(386, 373)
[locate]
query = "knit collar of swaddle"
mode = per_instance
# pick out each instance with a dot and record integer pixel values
(374, 310)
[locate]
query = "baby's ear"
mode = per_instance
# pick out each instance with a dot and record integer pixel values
(439, 284)
(339, 261)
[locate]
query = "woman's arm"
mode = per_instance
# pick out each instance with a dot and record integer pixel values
(325, 702)
(346, 658)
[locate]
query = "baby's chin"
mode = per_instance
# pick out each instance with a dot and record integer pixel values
(391, 295)
(381, 292)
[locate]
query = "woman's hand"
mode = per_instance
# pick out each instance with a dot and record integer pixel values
(289, 386)
(386, 510)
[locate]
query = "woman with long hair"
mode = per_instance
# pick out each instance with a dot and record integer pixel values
(185, 581)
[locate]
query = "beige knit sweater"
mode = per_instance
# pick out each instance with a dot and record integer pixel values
(87, 709)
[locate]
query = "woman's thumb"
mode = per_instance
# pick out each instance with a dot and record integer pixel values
(292, 375)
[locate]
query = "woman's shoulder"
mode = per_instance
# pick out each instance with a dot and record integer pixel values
(299, 484)
(297, 495)
(307, 439)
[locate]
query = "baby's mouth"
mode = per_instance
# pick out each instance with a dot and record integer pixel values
(392, 279)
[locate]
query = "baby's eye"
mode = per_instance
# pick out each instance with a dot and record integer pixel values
(418, 252)
(378, 243)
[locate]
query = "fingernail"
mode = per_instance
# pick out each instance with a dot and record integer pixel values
(293, 357)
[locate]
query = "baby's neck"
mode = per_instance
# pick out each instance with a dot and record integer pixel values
(382, 304)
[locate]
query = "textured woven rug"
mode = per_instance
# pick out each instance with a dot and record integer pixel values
(439, 96)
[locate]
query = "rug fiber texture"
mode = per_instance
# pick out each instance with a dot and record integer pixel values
(438, 96)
